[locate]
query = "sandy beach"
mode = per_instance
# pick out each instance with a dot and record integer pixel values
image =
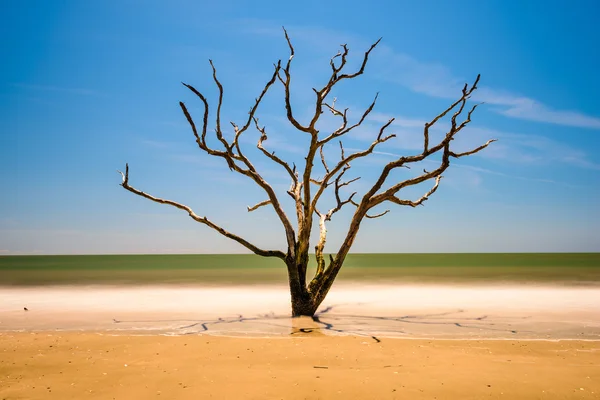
(98, 366)
(466, 342)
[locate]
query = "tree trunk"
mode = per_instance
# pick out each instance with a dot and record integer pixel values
(303, 304)
(302, 300)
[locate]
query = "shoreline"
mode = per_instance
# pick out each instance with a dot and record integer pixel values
(400, 311)
(367, 342)
(405, 311)
(289, 337)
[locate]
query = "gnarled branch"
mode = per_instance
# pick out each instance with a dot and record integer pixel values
(286, 84)
(420, 201)
(344, 129)
(346, 160)
(231, 157)
(202, 220)
(290, 170)
(218, 116)
(371, 200)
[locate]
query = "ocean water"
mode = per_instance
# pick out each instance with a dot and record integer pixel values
(227, 269)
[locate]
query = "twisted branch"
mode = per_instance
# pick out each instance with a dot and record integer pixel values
(202, 220)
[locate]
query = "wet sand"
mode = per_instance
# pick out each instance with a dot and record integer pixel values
(468, 342)
(406, 311)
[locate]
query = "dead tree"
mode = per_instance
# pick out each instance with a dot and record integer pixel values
(306, 190)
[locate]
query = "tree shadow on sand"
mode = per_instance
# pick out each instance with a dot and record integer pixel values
(328, 321)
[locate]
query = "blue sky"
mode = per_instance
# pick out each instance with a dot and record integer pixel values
(86, 86)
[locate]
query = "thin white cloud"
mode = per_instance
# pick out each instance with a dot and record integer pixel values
(51, 88)
(515, 147)
(485, 171)
(432, 79)
(437, 81)
(498, 173)
(534, 149)
(529, 109)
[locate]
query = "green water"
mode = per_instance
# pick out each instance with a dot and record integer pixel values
(556, 268)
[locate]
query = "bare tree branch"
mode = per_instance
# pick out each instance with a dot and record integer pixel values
(258, 205)
(202, 220)
(332, 108)
(342, 155)
(272, 155)
(239, 131)
(321, 244)
(218, 116)
(349, 182)
(466, 92)
(339, 202)
(468, 153)
(323, 160)
(336, 70)
(327, 217)
(286, 84)
(377, 215)
(345, 160)
(367, 215)
(362, 66)
(201, 139)
(335, 78)
(231, 157)
(372, 200)
(342, 130)
(420, 201)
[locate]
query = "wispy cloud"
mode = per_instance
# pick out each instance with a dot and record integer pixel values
(432, 79)
(534, 149)
(522, 178)
(436, 80)
(529, 109)
(52, 88)
(485, 171)
(515, 147)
